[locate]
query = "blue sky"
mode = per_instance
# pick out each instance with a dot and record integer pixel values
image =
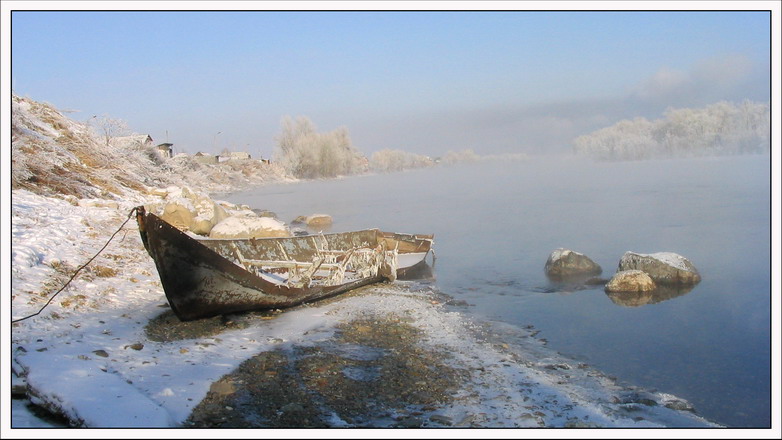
(425, 82)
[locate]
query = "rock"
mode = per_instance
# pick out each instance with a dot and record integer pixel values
(264, 213)
(179, 213)
(318, 220)
(565, 263)
(679, 405)
(663, 267)
(299, 232)
(206, 212)
(314, 220)
(234, 210)
(249, 227)
(155, 208)
(191, 210)
(160, 192)
(98, 203)
(443, 420)
(223, 387)
(630, 281)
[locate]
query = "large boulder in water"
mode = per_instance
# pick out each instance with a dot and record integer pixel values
(565, 263)
(249, 227)
(319, 220)
(665, 268)
(630, 281)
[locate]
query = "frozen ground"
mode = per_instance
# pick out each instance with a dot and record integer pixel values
(87, 355)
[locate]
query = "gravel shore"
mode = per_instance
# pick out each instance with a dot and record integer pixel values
(394, 367)
(372, 372)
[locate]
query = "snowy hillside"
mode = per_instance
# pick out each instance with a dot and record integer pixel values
(52, 154)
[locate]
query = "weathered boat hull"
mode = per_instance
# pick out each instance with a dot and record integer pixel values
(209, 277)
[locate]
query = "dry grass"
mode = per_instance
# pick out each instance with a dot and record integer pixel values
(104, 271)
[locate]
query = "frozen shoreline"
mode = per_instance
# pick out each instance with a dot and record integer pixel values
(88, 357)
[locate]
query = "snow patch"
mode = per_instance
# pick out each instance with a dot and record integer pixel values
(670, 258)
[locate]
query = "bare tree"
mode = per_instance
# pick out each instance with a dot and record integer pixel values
(109, 127)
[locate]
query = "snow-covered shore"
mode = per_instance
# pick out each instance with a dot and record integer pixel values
(88, 357)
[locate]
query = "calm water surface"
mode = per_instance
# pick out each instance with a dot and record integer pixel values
(495, 225)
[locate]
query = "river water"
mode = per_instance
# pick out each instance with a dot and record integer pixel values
(495, 224)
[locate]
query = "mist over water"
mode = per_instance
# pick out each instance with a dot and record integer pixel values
(495, 224)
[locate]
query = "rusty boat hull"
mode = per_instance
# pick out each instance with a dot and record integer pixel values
(204, 277)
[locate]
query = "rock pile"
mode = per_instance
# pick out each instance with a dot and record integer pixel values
(645, 272)
(663, 267)
(195, 211)
(636, 273)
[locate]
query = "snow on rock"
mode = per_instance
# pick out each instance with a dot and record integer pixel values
(207, 212)
(663, 267)
(564, 263)
(179, 213)
(249, 227)
(314, 220)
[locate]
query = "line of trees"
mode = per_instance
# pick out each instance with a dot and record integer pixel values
(720, 129)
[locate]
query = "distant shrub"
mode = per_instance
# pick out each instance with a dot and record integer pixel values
(305, 153)
(388, 160)
(454, 157)
(719, 129)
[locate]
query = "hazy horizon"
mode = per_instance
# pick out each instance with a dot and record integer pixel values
(426, 82)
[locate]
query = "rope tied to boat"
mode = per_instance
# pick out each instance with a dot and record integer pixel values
(130, 215)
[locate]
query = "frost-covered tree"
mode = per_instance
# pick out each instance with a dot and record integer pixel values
(454, 157)
(719, 129)
(390, 160)
(305, 153)
(109, 127)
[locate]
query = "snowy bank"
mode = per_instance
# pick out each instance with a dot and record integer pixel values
(88, 356)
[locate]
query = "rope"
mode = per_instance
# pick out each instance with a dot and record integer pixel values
(132, 211)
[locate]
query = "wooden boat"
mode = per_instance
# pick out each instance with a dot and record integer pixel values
(205, 277)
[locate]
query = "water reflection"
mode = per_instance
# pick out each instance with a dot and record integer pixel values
(638, 299)
(573, 283)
